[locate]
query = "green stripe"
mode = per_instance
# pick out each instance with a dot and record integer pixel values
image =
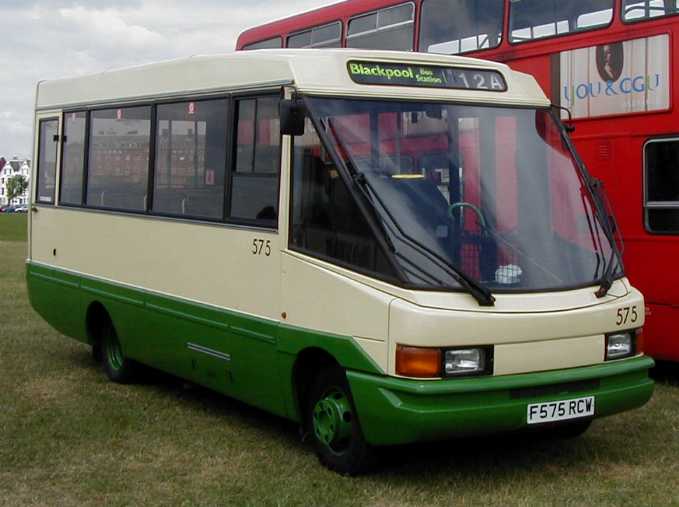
(155, 329)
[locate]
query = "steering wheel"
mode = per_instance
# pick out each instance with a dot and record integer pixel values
(473, 207)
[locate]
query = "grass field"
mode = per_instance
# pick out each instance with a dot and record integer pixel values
(13, 227)
(67, 436)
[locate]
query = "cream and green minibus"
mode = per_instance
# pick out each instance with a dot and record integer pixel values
(384, 247)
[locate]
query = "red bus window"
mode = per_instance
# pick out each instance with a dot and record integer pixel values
(476, 25)
(537, 19)
(274, 43)
(636, 10)
(326, 36)
(391, 28)
(662, 185)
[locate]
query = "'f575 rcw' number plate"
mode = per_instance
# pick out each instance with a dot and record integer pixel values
(560, 410)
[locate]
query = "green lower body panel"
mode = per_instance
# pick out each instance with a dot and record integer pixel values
(246, 357)
(399, 411)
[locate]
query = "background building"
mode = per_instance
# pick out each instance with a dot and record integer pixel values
(12, 168)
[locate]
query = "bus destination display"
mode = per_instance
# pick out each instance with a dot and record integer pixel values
(426, 76)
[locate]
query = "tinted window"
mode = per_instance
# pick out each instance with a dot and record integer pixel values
(535, 19)
(191, 159)
(119, 158)
(390, 28)
(73, 161)
(476, 25)
(635, 10)
(325, 218)
(662, 186)
(47, 161)
(326, 36)
(274, 43)
(255, 179)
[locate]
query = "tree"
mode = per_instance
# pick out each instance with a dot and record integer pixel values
(16, 186)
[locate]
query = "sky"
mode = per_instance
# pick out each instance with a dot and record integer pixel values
(49, 39)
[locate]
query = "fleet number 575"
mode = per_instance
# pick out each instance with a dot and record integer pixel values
(626, 315)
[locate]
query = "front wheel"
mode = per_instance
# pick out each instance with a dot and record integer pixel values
(331, 421)
(117, 367)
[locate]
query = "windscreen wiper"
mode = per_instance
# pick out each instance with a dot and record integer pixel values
(482, 295)
(607, 277)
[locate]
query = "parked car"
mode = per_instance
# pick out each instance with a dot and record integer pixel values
(7, 209)
(21, 209)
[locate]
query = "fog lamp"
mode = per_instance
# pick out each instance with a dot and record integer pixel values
(619, 345)
(464, 361)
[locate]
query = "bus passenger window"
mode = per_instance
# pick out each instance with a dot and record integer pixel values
(326, 220)
(536, 19)
(326, 36)
(662, 186)
(254, 184)
(47, 161)
(476, 25)
(191, 159)
(639, 10)
(274, 43)
(390, 28)
(117, 176)
(73, 160)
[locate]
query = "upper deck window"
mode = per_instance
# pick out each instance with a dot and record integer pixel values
(274, 43)
(475, 25)
(537, 19)
(640, 10)
(326, 36)
(390, 28)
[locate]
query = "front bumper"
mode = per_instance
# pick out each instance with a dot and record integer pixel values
(398, 411)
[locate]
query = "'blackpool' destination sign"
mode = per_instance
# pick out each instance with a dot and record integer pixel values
(426, 76)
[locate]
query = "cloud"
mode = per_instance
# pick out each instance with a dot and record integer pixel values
(50, 39)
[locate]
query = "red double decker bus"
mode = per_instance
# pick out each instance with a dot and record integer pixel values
(608, 63)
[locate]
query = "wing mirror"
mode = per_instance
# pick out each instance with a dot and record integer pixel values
(293, 116)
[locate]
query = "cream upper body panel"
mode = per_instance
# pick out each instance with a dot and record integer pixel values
(311, 71)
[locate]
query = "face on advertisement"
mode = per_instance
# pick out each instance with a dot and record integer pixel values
(610, 61)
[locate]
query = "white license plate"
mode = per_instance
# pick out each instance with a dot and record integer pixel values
(560, 410)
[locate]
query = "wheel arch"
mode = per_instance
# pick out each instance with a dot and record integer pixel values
(309, 362)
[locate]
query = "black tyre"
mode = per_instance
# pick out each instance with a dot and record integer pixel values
(97, 354)
(330, 419)
(117, 367)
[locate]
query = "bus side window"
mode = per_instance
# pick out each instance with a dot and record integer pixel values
(119, 148)
(661, 203)
(47, 161)
(273, 43)
(191, 159)
(536, 19)
(326, 221)
(73, 160)
(639, 10)
(254, 180)
(390, 28)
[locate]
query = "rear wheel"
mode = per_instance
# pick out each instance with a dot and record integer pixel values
(334, 428)
(117, 367)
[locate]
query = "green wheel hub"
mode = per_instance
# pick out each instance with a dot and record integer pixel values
(114, 353)
(332, 420)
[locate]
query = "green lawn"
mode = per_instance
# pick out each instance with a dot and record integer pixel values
(69, 437)
(13, 226)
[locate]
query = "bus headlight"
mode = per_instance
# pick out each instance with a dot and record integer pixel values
(471, 361)
(619, 345)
